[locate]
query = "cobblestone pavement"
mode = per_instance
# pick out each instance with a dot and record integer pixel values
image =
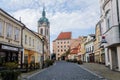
(102, 71)
(64, 71)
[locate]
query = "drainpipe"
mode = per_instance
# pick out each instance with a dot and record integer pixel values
(22, 47)
(118, 17)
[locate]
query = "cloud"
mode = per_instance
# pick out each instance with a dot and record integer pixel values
(29, 17)
(64, 15)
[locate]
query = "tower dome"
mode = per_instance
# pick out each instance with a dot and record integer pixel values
(43, 18)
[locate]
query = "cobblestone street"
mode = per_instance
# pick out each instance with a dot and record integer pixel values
(64, 71)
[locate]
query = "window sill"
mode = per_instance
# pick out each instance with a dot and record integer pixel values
(8, 38)
(16, 41)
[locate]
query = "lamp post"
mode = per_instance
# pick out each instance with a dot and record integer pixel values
(43, 53)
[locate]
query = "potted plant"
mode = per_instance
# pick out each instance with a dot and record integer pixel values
(10, 73)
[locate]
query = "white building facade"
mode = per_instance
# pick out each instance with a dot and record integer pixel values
(89, 47)
(110, 27)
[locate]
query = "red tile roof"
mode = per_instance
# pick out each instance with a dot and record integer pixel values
(74, 51)
(64, 35)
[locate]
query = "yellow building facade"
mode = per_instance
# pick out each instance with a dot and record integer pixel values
(32, 45)
(82, 48)
(97, 49)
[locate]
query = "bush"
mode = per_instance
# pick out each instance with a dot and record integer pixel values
(37, 65)
(48, 62)
(10, 75)
(75, 61)
(80, 62)
(11, 65)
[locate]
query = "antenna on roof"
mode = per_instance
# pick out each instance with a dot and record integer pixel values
(20, 19)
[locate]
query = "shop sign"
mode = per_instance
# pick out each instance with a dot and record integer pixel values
(9, 48)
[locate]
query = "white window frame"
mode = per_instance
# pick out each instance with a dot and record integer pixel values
(108, 19)
(1, 28)
(16, 34)
(25, 39)
(9, 30)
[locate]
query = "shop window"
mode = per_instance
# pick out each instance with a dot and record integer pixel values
(33, 59)
(25, 59)
(9, 31)
(16, 32)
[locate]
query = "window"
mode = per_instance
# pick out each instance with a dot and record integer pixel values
(64, 49)
(16, 32)
(29, 41)
(58, 42)
(33, 42)
(58, 46)
(47, 31)
(58, 50)
(1, 28)
(68, 42)
(41, 31)
(64, 46)
(108, 22)
(61, 46)
(26, 58)
(25, 39)
(9, 30)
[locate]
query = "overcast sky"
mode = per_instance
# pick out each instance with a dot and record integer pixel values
(77, 16)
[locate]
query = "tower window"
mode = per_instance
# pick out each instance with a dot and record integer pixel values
(41, 31)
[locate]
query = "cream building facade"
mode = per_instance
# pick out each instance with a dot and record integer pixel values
(10, 39)
(61, 44)
(110, 23)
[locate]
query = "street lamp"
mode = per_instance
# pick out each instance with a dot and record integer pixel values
(43, 52)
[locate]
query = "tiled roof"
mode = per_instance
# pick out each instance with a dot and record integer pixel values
(64, 35)
(75, 50)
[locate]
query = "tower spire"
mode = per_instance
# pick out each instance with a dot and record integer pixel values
(43, 13)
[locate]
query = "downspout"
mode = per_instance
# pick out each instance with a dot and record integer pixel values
(22, 53)
(118, 17)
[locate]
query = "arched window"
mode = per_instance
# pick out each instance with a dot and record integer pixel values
(41, 31)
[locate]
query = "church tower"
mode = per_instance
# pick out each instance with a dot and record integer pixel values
(44, 29)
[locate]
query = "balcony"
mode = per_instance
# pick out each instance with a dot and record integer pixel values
(112, 36)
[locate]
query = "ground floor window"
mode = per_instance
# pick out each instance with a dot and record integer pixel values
(26, 59)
